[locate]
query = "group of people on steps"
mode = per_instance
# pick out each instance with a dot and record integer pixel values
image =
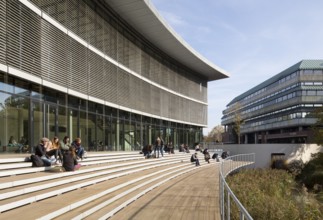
(64, 153)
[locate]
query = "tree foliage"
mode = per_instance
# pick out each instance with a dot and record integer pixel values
(312, 173)
(318, 126)
(215, 135)
(238, 121)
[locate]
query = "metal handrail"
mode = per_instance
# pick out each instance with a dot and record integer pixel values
(227, 166)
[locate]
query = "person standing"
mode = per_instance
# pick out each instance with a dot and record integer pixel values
(157, 148)
(170, 147)
(162, 147)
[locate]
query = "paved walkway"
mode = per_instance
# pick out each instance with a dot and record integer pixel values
(192, 196)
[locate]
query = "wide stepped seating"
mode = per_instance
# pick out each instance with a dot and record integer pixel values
(105, 184)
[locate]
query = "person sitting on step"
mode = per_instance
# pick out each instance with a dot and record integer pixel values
(69, 160)
(195, 159)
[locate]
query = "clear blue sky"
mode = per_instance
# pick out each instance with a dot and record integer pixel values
(252, 40)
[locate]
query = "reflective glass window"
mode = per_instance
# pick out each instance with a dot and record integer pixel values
(21, 87)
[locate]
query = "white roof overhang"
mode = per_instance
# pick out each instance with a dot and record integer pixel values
(143, 17)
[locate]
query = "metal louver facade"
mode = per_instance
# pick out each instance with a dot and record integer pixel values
(37, 47)
(86, 50)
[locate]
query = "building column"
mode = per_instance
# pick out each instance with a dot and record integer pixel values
(20, 124)
(256, 138)
(71, 126)
(265, 139)
(118, 135)
(246, 138)
(149, 135)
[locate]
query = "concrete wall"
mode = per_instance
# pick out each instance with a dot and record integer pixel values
(264, 151)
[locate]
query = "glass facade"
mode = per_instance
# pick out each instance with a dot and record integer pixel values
(29, 112)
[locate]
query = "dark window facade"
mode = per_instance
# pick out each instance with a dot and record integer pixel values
(278, 111)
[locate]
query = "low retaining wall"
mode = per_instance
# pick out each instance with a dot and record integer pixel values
(264, 151)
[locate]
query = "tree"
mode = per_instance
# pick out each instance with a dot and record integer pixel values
(215, 135)
(237, 120)
(318, 126)
(217, 132)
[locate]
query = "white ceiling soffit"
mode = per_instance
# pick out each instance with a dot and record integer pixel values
(143, 16)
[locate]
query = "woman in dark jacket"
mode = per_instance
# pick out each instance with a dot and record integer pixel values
(69, 160)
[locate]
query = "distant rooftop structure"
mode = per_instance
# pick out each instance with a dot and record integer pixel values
(302, 65)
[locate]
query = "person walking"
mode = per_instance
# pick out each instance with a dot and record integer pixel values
(158, 144)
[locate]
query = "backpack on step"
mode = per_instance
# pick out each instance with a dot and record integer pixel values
(36, 161)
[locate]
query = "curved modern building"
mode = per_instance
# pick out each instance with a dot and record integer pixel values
(109, 71)
(279, 110)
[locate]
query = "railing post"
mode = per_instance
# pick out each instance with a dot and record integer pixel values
(228, 210)
(241, 215)
(222, 202)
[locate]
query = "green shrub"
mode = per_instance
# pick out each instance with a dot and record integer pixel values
(295, 167)
(272, 194)
(312, 173)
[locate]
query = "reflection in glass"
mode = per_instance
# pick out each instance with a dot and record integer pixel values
(108, 140)
(100, 133)
(50, 121)
(38, 125)
(73, 124)
(115, 134)
(96, 132)
(137, 136)
(21, 88)
(84, 132)
(120, 136)
(129, 136)
(14, 122)
(62, 122)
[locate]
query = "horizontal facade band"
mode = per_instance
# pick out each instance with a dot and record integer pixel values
(98, 52)
(40, 81)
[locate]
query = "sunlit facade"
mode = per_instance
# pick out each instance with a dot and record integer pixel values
(91, 69)
(279, 109)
